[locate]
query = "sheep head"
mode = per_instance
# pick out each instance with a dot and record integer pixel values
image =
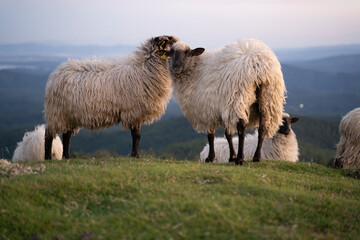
(285, 128)
(179, 54)
(164, 42)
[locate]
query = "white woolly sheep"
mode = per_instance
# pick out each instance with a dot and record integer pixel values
(31, 148)
(95, 94)
(283, 145)
(237, 86)
(348, 149)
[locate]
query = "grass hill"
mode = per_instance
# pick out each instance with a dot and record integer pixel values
(162, 199)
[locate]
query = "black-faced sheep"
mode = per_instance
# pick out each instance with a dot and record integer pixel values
(282, 146)
(95, 94)
(348, 149)
(237, 86)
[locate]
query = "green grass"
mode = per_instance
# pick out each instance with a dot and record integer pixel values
(149, 198)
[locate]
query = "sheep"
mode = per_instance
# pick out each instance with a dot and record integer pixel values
(96, 94)
(348, 149)
(32, 145)
(237, 86)
(283, 146)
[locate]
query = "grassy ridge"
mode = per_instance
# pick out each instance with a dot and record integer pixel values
(151, 198)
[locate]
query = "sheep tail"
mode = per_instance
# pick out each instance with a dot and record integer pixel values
(271, 106)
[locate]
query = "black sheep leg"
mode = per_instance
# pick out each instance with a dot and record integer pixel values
(211, 156)
(231, 146)
(66, 137)
(136, 134)
(241, 132)
(48, 144)
(261, 137)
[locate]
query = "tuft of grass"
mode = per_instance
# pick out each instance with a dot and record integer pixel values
(149, 198)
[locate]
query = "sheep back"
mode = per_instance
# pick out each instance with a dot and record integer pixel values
(99, 93)
(31, 148)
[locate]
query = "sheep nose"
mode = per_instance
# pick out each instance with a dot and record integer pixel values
(176, 68)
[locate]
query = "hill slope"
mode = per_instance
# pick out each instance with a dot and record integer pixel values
(162, 199)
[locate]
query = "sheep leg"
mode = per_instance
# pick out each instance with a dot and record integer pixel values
(211, 156)
(48, 144)
(66, 137)
(136, 134)
(231, 146)
(261, 137)
(241, 132)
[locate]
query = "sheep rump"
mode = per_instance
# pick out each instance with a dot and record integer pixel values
(223, 88)
(348, 149)
(31, 148)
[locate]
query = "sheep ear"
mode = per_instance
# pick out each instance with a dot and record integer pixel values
(197, 52)
(294, 120)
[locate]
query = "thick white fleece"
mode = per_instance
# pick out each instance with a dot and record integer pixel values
(348, 149)
(31, 148)
(220, 86)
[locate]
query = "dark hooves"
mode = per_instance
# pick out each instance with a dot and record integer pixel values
(208, 160)
(135, 155)
(232, 159)
(239, 162)
(256, 160)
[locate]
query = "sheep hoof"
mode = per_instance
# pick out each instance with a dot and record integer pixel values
(256, 160)
(239, 161)
(208, 160)
(135, 155)
(232, 159)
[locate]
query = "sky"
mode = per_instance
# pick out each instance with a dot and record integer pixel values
(205, 23)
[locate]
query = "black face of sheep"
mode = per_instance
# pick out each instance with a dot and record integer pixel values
(178, 55)
(286, 127)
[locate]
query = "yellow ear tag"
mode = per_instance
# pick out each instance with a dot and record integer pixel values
(162, 43)
(163, 56)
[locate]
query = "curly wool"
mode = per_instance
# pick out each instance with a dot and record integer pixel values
(95, 94)
(280, 147)
(31, 148)
(348, 149)
(220, 86)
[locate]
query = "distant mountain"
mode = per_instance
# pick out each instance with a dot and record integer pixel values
(290, 55)
(21, 98)
(321, 94)
(67, 50)
(336, 64)
(38, 49)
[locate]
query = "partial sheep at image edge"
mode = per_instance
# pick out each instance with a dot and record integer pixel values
(348, 148)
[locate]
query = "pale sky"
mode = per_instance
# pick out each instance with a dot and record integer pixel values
(206, 23)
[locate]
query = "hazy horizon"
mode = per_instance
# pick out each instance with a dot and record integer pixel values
(210, 24)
